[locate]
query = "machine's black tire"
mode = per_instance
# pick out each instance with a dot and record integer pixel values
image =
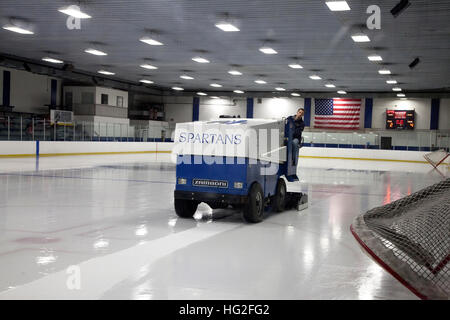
(185, 208)
(254, 209)
(279, 199)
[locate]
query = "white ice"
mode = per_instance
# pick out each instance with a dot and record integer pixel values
(112, 219)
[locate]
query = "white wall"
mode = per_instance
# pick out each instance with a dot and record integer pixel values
(213, 108)
(276, 108)
(30, 92)
(97, 91)
(421, 106)
(178, 108)
(444, 115)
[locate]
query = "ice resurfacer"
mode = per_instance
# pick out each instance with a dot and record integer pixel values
(237, 162)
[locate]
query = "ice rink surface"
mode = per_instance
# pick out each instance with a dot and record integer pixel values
(104, 227)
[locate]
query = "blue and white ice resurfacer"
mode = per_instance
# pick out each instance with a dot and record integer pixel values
(235, 162)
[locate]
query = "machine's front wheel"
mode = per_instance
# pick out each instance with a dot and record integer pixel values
(254, 209)
(279, 200)
(185, 208)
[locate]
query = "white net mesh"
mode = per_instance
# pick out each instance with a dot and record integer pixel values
(410, 237)
(437, 157)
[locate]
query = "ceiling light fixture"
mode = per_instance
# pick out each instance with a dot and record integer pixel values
(74, 11)
(200, 60)
(342, 92)
(338, 5)
(238, 91)
(384, 71)
(260, 81)
(391, 81)
(108, 73)
(146, 81)
(295, 66)
(401, 95)
(235, 73)
(267, 50)
(396, 89)
(315, 77)
(148, 66)
(280, 89)
(186, 77)
(95, 52)
(17, 29)
(329, 85)
(177, 88)
(216, 85)
(360, 37)
(375, 58)
(295, 94)
(227, 27)
(51, 60)
(201, 94)
(151, 42)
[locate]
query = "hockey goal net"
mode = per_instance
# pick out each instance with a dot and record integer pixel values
(437, 158)
(410, 238)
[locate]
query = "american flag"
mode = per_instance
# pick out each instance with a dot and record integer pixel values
(337, 113)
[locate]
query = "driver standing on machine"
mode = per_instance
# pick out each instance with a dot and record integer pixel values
(297, 136)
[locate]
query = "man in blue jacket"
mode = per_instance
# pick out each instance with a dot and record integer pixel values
(297, 136)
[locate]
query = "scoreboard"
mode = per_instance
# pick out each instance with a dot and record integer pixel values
(400, 119)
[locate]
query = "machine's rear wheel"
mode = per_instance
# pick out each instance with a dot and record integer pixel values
(279, 200)
(185, 208)
(254, 209)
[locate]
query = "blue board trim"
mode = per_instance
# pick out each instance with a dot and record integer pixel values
(434, 121)
(307, 115)
(195, 108)
(250, 103)
(368, 113)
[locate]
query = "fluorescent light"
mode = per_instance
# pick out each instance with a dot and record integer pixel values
(295, 66)
(375, 58)
(151, 42)
(342, 92)
(338, 5)
(295, 94)
(280, 89)
(96, 52)
(216, 85)
(227, 27)
(51, 60)
(146, 81)
(238, 91)
(267, 50)
(74, 11)
(315, 77)
(177, 88)
(186, 77)
(384, 71)
(401, 95)
(260, 81)
(396, 89)
(148, 66)
(106, 72)
(17, 29)
(329, 85)
(200, 60)
(391, 81)
(201, 94)
(360, 37)
(235, 72)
